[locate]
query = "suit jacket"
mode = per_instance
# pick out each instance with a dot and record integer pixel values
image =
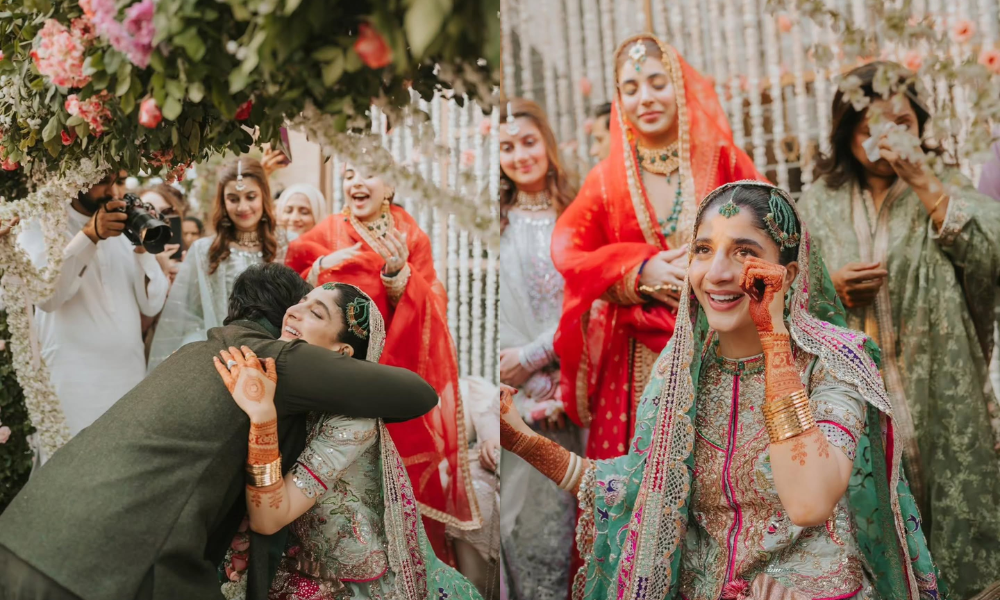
(144, 502)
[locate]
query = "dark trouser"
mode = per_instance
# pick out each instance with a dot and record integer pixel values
(21, 581)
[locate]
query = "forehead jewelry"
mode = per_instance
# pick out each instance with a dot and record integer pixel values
(512, 127)
(729, 209)
(240, 186)
(637, 54)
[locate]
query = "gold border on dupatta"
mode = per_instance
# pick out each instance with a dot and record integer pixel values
(879, 323)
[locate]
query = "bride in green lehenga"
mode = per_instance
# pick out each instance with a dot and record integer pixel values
(915, 257)
(752, 475)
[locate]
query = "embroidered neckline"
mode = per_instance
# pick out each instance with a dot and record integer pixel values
(737, 367)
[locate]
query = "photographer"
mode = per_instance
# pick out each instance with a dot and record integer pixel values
(90, 329)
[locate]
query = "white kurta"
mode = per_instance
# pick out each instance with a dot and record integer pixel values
(90, 330)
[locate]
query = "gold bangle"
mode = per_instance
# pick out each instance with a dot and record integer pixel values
(788, 417)
(937, 204)
(264, 475)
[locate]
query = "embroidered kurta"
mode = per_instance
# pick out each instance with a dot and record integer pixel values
(933, 320)
(738, 527)
(90, 330)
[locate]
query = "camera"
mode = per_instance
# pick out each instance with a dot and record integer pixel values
(143, 226)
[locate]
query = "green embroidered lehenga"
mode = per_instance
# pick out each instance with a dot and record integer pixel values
(650, 528)
(933, 320)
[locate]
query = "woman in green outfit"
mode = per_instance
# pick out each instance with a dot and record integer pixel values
(915, 258)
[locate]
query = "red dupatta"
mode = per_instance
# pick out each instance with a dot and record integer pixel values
(433, 447)
(602, 239)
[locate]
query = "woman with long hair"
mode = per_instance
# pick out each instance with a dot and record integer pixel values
(299, 208)
(764, 463)
(915, 258)
(350, 504)
(537, 517)
(621, 245)
(377, 246)
(244, 222)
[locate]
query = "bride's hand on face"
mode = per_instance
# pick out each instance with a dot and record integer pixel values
(764, 282)
(511, 370)
(251, 383)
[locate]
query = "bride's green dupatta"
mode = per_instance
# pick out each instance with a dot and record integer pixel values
(635, 507)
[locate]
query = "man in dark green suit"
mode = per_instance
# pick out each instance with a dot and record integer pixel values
(144, 502)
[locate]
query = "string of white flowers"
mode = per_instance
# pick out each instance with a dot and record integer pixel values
(772, 54)
(621, 27)
(718, 55)
(660, 20)
(482, 181)
(454, 137)
(337, 183)
(985, 9)
(676, 27)
(801, 102)
(858, 11)
(507, 47)
(438, 233)
(608, 44)
(464, 292)
(527, 68)
(696, 55)
(549, 67)
(751, 43)
(427, 171)
(735, 84)
(576, 58)
(592, 53)
(562, 66)
(492, 273)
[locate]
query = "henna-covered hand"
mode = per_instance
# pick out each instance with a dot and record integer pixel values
(251, 383)
(763, 282)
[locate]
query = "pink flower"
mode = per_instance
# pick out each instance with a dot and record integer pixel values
(990, 58)
(243, 113)
(9, 165)
(83, 29)
(92, 110)
(4, 434)
(1, 54)
(913, 60)
(962, 31)
(240, 543)
(785, 23)
(162, 158)
(484, 127)
(239, 562)
(177, 173)
(371, 47)
(586, 88)
(68, 136)
(58, 55)
(88, 10)
(149, 113)
(133, 37)
(468, 158)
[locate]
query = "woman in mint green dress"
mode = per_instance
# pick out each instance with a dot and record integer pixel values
(715, 500)
(356, 527)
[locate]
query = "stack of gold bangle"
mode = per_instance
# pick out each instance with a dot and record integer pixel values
(789, 416)
(264, 475)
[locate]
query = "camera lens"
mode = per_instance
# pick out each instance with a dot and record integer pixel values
(142, 228)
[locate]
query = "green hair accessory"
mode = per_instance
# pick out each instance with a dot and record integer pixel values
(358, 313)
(729, 209)
(781, 222)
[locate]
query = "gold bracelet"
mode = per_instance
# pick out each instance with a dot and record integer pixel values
(789, 416)
(264, 475)
(937, 204)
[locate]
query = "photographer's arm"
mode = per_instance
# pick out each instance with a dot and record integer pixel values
(316, 379)
(150, 284)
(77, 256)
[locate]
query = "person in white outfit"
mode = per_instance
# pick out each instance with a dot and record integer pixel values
(90, 330)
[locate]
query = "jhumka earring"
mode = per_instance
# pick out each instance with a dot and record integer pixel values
(240, 185)
(512, 127)
(637, 54)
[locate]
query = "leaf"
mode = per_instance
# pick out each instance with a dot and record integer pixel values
(190, 40)
(52, 129)
(172, 109)
(128, 102)
(82, 130)
(328, 53)
(74, 121)
(352, 62)
(174, 136)
(291, 5)
(423, 22)
(333, 70)
(93, 63)
(175, 89)
(194, 140)
(237, 81)
(123, 85)
(196, 91)
(113, 61)
(100, 80)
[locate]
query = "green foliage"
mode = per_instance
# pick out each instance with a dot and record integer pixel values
(15, 455)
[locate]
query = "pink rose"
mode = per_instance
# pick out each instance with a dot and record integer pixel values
(239, 561)
(93, 110)
(231, 573)
(4, 434)
(990, 58)
(1, 54)
(962, 31)
(372, 49)
(83, 29)
(468, 158)
(586, 88)
(149, 113)
(240, 543)
(9, 165)
(58, 55)
(72, 104)
(484, 127)
(785, 23)
(913, 60)
(68, 136)
(243, 113)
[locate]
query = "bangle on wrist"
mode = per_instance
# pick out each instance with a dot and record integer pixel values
(264, 475)
(789, 416)
(937, 204)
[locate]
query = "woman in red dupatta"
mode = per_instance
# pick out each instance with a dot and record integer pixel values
(381, 249)
(670, 145)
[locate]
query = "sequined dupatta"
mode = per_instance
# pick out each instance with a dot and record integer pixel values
(636, 507)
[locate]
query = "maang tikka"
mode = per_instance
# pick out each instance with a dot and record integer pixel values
(512, 127)
(240, 186)
(637, 54)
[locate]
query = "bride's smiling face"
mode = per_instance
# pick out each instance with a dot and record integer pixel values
(316, 319)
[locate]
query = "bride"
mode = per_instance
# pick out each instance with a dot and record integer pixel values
(356, 528)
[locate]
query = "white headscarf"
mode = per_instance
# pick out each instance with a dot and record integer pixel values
(316, 200)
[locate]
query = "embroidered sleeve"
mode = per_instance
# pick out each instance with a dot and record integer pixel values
(839, 410)
(625, 291)
(335, 443)
(396, 285)
(955, 220)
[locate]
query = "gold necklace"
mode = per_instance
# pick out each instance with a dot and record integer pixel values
(533, 201)
(660, 161)
(378, 226)
(247, 239)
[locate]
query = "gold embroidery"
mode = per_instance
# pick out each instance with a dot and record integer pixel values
(623, 292)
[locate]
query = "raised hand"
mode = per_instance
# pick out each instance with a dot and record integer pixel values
(344, 254)
(763, 282)
(393, 249)
(251, 383)
(858, 284)
(664, 274)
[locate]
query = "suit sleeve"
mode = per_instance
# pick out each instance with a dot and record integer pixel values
(314, 379)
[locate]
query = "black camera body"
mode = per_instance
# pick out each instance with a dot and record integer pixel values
(143, 227)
